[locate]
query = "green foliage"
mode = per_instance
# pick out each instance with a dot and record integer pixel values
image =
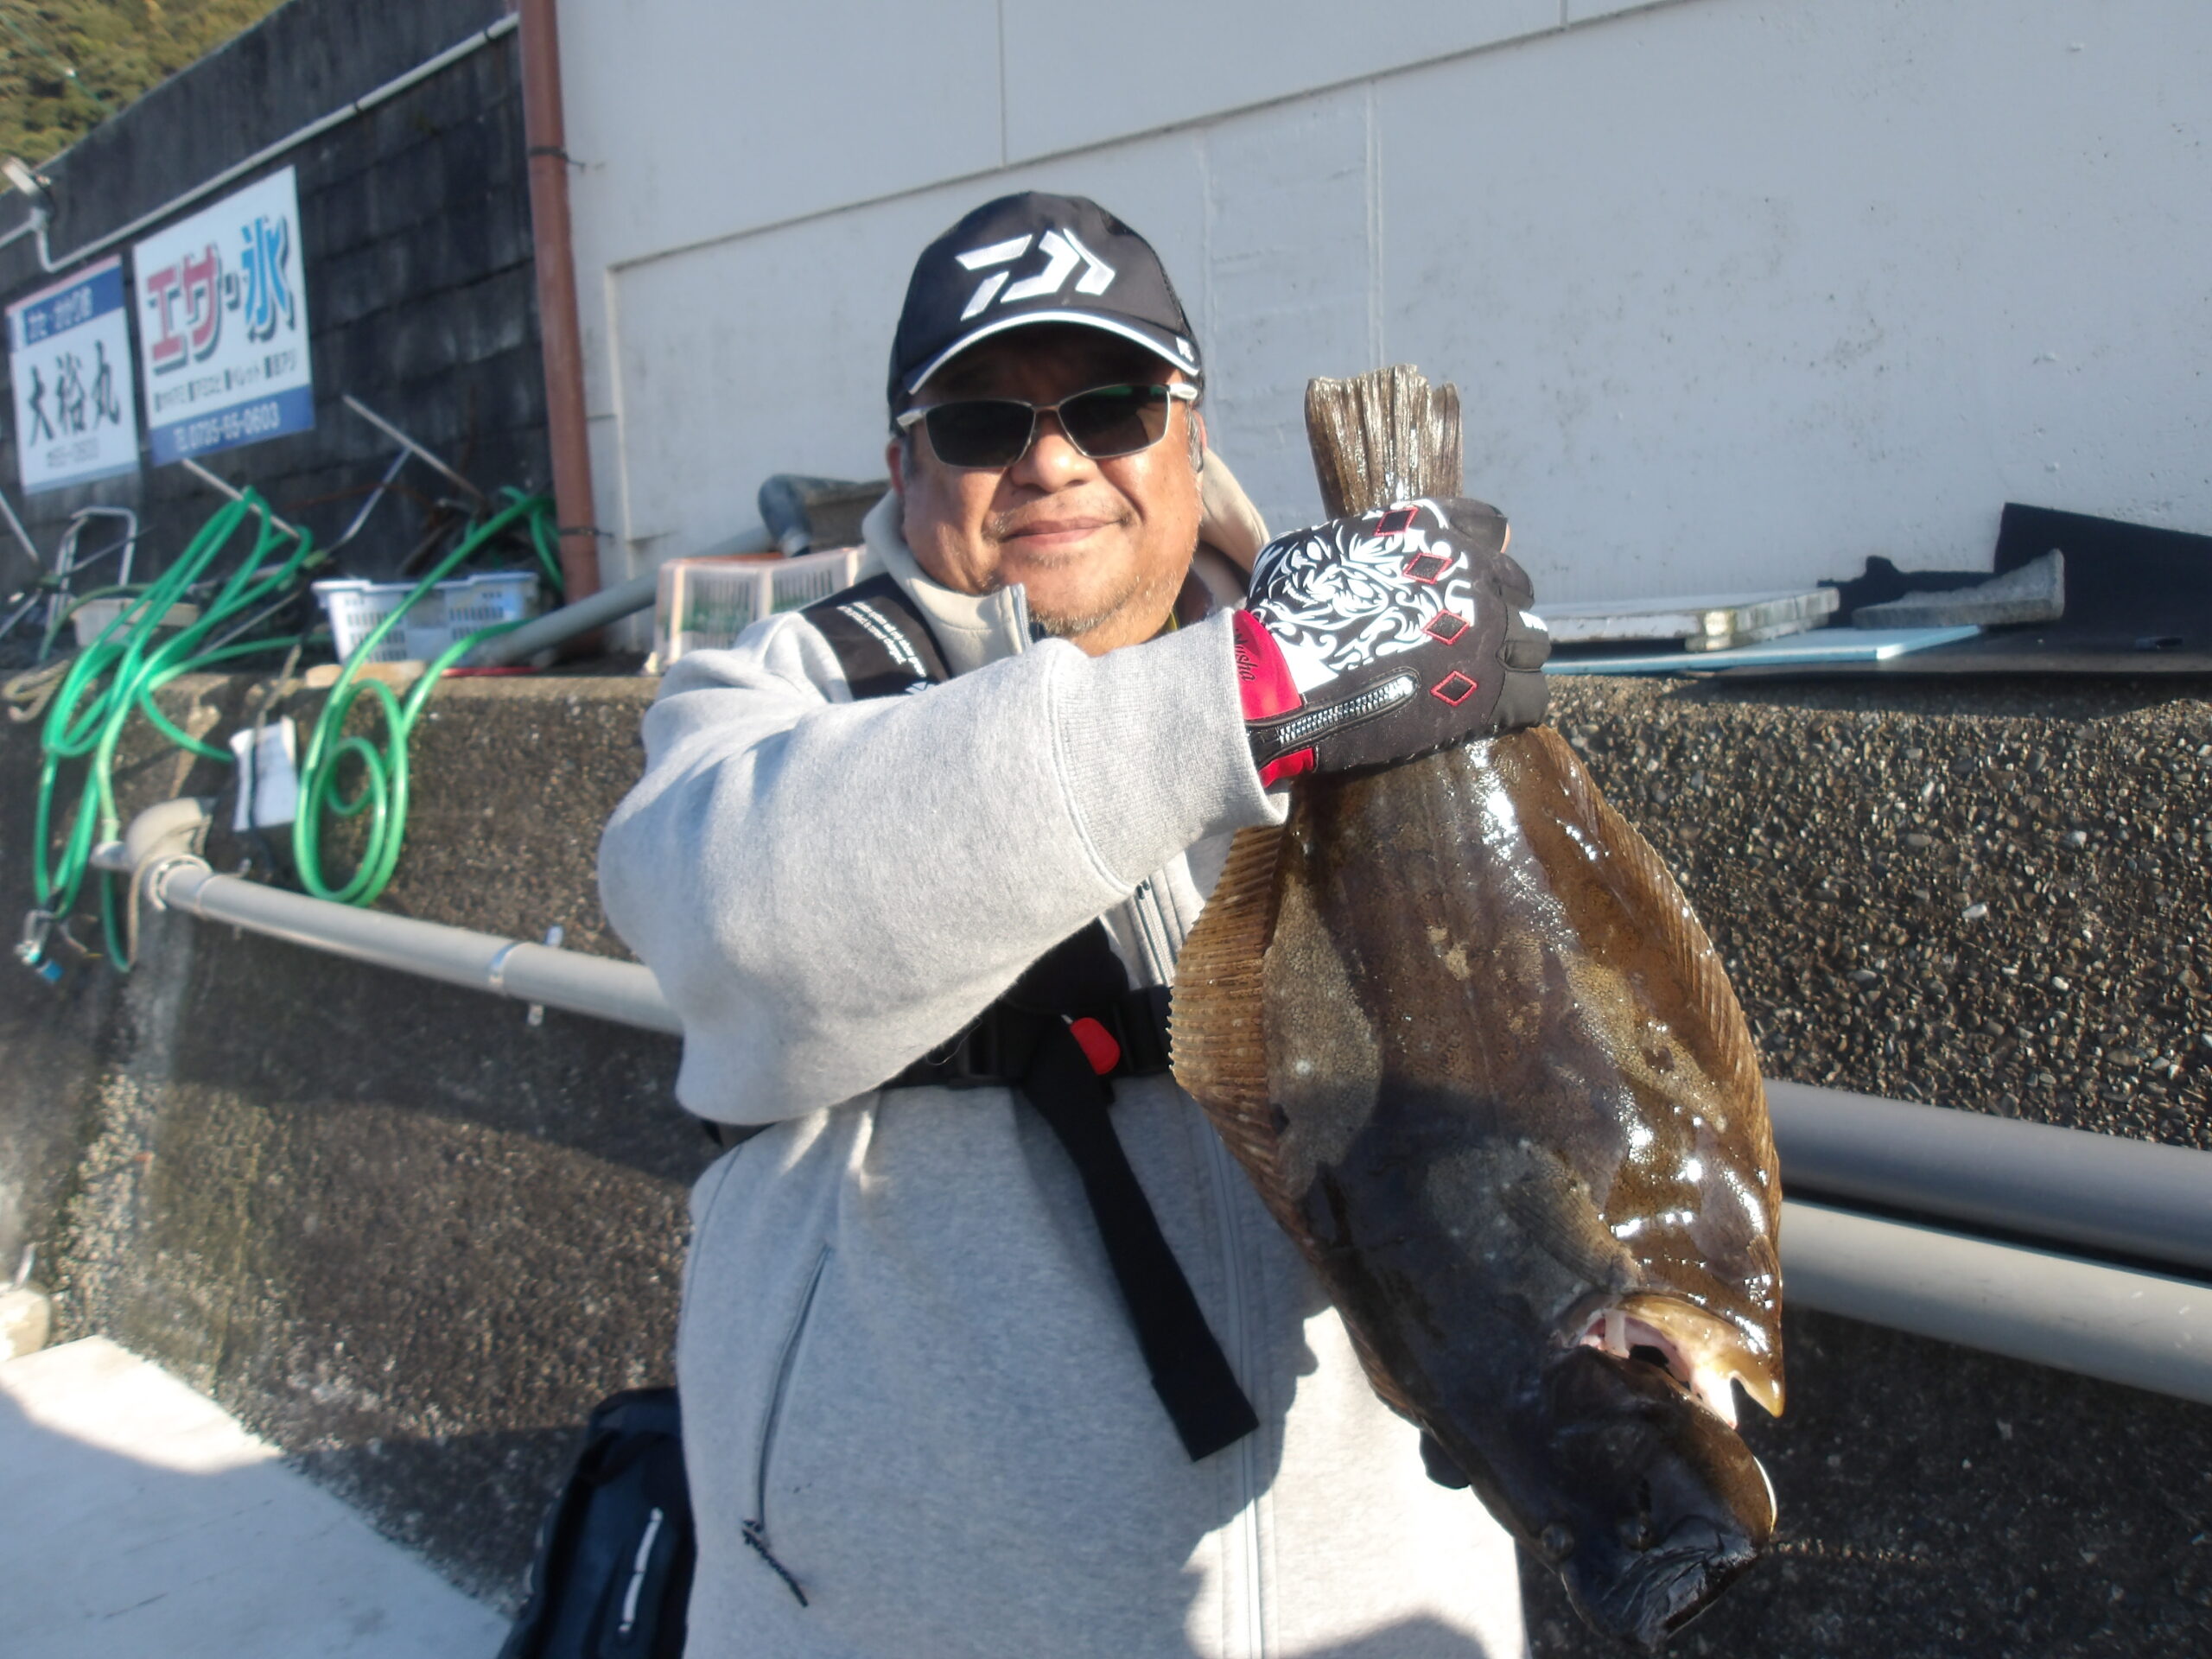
(65, 65)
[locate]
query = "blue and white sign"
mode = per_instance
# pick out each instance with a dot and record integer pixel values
(69, 358)
(223, 324)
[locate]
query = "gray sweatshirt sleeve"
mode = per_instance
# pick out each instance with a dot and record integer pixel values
(827, 889)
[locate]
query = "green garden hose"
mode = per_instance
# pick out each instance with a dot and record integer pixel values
(118, 673)
(382, 789)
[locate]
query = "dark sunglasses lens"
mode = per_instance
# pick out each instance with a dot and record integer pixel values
(980, 431)
(1115, 420)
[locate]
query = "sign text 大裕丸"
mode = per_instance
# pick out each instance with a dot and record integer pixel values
(69, 362)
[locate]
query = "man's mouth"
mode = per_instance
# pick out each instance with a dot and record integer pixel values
(1046, 534)
(1043, 536)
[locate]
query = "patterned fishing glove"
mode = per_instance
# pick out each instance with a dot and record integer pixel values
(1371, 639)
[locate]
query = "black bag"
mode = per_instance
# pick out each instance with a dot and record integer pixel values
(613, 1573)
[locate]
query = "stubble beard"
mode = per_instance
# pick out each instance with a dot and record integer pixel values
(1148, 600)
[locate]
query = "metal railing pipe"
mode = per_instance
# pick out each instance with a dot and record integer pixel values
(316, 129)
(622, 991)
(558, 627)
(2140, 1329)
(2134, 1197)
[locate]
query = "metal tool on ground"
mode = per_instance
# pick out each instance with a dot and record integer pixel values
(1697, 621)
(1819, 648)
(2034, 592)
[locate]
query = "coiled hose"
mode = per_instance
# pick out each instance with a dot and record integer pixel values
(383, 790)
(118, 673)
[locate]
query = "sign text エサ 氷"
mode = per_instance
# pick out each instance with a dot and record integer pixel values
(223, 324)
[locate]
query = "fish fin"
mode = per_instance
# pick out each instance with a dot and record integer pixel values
(1733, 1062)
(1217, 1036)
(1378, 1376)
(1217, 1033)
(1555, 1212)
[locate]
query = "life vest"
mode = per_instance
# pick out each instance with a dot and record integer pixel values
(1068, 1026)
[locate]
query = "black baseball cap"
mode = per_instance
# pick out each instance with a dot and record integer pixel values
(1032, 258)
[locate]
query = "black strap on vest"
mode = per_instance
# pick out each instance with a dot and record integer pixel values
(1029, 1040)
(882, 646)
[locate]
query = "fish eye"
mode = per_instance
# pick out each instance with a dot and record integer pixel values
(1637, 1532)
(1556, 1542)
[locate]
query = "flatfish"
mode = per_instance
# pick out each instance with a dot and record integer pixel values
(1470, 1044)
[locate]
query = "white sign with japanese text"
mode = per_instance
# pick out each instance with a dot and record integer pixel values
(223, 324)
(69, 357)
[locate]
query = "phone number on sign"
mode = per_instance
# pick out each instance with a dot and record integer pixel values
(255, 420)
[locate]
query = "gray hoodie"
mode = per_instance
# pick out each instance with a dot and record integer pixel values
(911, 1392)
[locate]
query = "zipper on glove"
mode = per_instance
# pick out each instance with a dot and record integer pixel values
(1315, 723)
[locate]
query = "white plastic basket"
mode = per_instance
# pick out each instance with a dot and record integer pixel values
(91, 619)
(704, 604)
(442, 616)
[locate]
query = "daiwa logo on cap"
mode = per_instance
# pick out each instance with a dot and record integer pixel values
(1062, 254)
(1034, 258)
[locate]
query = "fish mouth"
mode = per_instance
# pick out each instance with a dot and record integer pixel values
(1702, 1353)
(1668, 1587)
(1662, 1506)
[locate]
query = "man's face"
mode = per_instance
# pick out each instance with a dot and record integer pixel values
(1102, 546)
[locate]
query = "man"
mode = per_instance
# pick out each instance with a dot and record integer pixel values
(929, 1407)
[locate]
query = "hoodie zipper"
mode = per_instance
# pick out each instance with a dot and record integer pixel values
(1241, 1541)
(1241, 1547)
(756, 1530)
(1156, 939)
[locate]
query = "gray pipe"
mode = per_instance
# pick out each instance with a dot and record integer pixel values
(369, 100)
(2144, 1330)
(2139, 1329)
(543, 632)
(608, 605)
(2137, 1197)
(622, 991)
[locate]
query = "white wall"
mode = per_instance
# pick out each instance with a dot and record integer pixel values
(1736, 291)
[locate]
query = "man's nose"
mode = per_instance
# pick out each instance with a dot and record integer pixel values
(1050, 462)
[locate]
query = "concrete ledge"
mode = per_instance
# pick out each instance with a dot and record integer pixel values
(409, 1239)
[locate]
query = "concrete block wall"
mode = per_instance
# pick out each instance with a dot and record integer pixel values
(416, 258)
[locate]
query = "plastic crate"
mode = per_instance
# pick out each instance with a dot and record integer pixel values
(704, 604)
(91, 619)
(440, 617)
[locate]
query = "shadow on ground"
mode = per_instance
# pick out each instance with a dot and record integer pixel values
(1939, 1504)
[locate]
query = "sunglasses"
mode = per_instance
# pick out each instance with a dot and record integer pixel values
(1101, 424)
